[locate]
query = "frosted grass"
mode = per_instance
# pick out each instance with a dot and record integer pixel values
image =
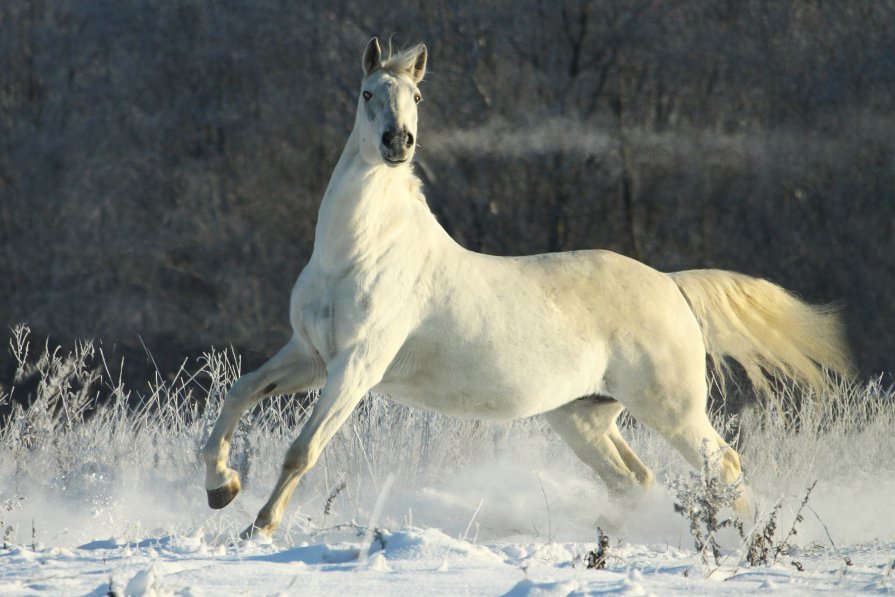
(129, 465)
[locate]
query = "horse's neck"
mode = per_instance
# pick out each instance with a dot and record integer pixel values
(366, 209)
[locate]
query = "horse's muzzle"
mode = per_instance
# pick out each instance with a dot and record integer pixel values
(397, 145)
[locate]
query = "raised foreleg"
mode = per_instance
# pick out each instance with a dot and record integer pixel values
(349, 379)
(295, 368)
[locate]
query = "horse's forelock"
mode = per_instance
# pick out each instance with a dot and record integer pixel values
(402, 62)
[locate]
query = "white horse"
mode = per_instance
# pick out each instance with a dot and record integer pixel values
(390, 303)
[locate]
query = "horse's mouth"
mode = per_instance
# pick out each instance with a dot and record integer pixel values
(392, 162)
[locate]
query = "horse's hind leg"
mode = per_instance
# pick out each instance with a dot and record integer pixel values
(588, 426)
(696, 439)
(643, 475)
(677, 412)
(294, 368)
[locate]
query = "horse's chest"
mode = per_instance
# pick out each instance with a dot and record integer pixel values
(329, 322)
(336, 313)
(319, 324)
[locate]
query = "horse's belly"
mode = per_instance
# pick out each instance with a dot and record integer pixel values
(474, 383)
(478, 403)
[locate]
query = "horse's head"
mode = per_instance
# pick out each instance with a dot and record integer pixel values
(386, 111)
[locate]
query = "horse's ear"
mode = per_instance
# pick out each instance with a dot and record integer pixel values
(418, 71)
(372, 56)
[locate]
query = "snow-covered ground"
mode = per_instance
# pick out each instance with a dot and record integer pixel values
(113, 502)
(415, 562)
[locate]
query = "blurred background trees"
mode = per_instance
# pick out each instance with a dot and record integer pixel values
(161, 163)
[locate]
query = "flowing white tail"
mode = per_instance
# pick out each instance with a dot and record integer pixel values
(766, 329)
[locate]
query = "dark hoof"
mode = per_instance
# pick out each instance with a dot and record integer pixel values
(223, 495)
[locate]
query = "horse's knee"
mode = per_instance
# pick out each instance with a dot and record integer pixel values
(299, 458)
(242, 389)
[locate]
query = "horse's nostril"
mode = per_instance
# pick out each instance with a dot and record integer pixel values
(387, 137)
(409, 140)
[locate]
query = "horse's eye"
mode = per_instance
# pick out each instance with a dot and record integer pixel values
(367, 96)
(417, 98)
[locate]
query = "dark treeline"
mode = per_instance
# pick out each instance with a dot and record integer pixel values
(161, 163)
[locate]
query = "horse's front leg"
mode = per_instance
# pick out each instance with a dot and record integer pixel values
(347, 382)
(295, 368)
